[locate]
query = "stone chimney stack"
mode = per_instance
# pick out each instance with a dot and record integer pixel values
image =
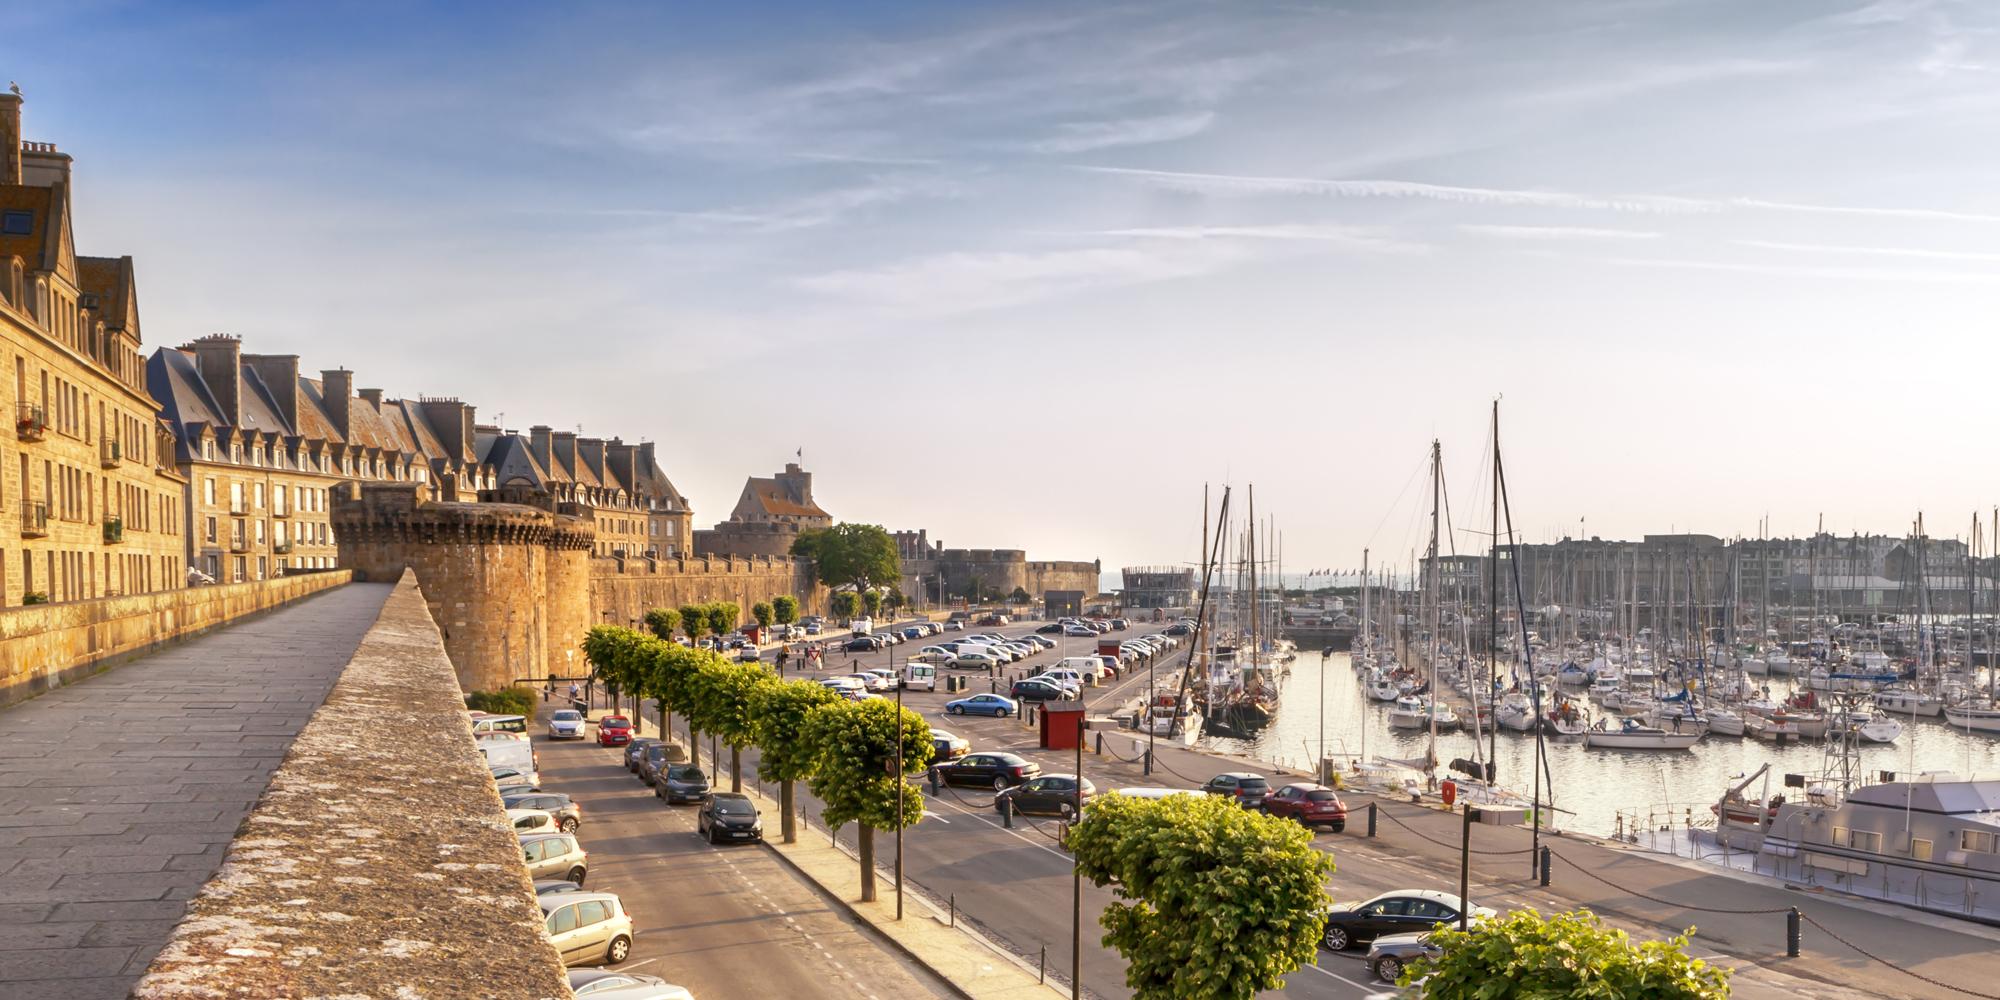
(538, 445)
(621, 459)
(10, 138)
(453, 422)
(563, 444)
(374, 398)
(339, 395)
(280, 373)
(219, 357)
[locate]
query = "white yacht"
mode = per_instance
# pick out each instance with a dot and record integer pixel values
(1633, 736)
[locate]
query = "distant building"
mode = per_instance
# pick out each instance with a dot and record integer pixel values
(770, 514)
(618, 487)
(1157, 587)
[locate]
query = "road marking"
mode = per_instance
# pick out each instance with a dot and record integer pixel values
(931, 815)
(1016, 834)
(1338, 976)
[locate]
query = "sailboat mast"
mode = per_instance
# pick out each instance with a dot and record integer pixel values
(1431, 587)
(1493, 614)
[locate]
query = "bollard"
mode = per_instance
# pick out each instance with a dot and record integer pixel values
(1792, 930)
(1100, 745)
(1545, 867)
(954, 910)
(1371, 819)
(934, 788)
(1007, 813)
(1042, 972)
(1149, 761)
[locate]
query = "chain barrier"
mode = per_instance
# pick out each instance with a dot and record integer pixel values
(1161, 762)
(988, 804)
(1392, 818)
(1668, 902)
(1140, 758)
(1865, 953)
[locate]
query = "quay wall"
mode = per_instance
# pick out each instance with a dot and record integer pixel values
(314, 898)
(44, 646)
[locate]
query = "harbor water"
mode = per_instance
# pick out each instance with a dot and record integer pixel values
(1593, 786)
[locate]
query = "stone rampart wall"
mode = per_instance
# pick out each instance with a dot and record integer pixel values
(630, 589)
(375, 867)
(47, 645)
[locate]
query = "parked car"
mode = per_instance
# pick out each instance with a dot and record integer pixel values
(656, 760)
(983, 704)
(976, 660)
(636, 751)
(602, 984)
(846, 686)
(749, 654)
(997, 771)
(729, 816)
(1082, 631)
(614, 731)
(546, 886)
(1249, 790)
(1037, 641)
(1179, 630)
(588, 927)
(882, 679)
(861, 644)
(1310, 804)
(533, 821)
(814, 628)
(1068, 677)
(1052, 628)
(954, 625)
(566, 724)
(1047, 795)
(1403, 911)
(555, 854)
(681, 783)
(948, 746)
(1389, 955)
(567, 813)
(515, 776)
(1034, 690)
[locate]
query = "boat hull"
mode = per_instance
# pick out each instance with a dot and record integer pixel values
(1640, 741)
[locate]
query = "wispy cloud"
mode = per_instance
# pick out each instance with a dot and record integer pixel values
(1829, 273)
(1234, 184)
(1928, 214)
(804, 212)
(1653, 78)
(1082, 137)
(1558, 233)
(943, 284)
(1831, 248)
(1358, 237)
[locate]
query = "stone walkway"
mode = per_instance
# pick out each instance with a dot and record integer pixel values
(118, 795)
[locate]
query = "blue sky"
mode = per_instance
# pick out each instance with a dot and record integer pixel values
(1029, 274)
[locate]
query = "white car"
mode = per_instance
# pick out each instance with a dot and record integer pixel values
(603, 984)
(566, 724)
(1061, 675)
(954, 626)
(879, 679)
(851, 687)
(1021, 650)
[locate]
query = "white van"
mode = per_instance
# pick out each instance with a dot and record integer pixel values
(517, 754)
(920, 677)
(1090, 667)
(484, 723)
(862, 626)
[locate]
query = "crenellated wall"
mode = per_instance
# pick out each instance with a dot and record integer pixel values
(630, 589)
(998, 571)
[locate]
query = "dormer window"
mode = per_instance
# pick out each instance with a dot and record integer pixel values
(17, 223)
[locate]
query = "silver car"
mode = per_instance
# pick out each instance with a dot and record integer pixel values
(587, 928)
(1392, 953)
(603, 984)
(555, 855)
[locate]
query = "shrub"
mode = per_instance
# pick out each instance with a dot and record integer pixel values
(506, 701)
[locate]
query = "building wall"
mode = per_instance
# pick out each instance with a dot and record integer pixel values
(773, 539)
(629, 590)
(255, 519)
(998, 571)
(45, 646)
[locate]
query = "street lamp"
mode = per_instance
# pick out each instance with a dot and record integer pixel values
(1075, 871)
(899, 779)
(1465, 867)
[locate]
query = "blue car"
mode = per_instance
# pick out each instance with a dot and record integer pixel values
(982, 704)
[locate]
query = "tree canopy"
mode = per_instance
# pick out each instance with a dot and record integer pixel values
(844, 603)
(723, 616)
(662, 622)
(1524, 957)
(861, 556)
(786, 608)
(694, 619)
(763, 613)
(1214, 901)
(854, 743)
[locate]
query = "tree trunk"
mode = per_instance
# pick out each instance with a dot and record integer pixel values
(867, 837)
(788, 813)
(666, 719)
(694, 747)
(735, 768)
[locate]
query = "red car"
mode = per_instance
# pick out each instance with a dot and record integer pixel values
(614, 731)
(1313, 805)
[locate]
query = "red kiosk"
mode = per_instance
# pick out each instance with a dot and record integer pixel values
(1062, 725)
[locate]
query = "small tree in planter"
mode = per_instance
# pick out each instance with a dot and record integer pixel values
(854, 771)
(694, 618)
(786, 608)
(662, 622)
(723, 617)
(763, 613)
(778, 712)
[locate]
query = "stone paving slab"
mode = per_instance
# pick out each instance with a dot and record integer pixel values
(118, 794)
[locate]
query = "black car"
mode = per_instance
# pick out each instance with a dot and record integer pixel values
(997, 771)
(1404, 911)
(729, 816)
(1034, 690)
(861, 644)
(635, 751)
(681, 783)
(1249, 790)
(1048, 795)
(1052, 628)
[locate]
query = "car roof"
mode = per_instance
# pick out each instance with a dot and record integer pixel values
(1241, 774)
(1308, 786)
(566, 898)
(729, 797)
(546, 836)
(1434, 895)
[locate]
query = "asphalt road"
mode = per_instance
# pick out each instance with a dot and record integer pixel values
(725, 922)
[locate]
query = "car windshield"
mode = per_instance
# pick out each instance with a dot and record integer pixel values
(686, 772)
(566, 716)
(727, 807)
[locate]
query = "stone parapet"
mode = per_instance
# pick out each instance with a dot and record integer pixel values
(375, 866)
(43, 646)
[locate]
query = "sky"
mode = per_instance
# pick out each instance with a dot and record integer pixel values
(1030, 275)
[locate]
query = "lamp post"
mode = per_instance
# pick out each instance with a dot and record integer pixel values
(1465, 867)
(1075, 872)
(899, 779)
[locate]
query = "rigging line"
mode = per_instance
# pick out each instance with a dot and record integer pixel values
(1394, 504)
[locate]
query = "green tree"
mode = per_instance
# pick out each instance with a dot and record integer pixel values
(895, 601)
(613, 652)
(662, 622)
(854, 770)
(694, 618)
(871, 602)
(1522, 956)
(778, 712)
(857, 556)
(844, 603)
(1214, 901)
(763, 613)
(786, 607)
(683, 680)
(1020, 596)
(723, 616)
(506, 701)
(727, 691)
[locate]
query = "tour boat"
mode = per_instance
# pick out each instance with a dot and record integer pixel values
(1633, 736)
(1410, 713)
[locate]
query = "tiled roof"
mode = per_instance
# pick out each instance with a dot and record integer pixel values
(512, 461)
(110, 279)
(772, 498)
(33, 247)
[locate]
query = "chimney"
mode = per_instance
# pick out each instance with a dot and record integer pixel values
(374, 398)
(339, 396)
(592, 452)
(563, 444)
(647, 463)
(280, 373)
(452, 420)
(219, 357)
(538, 445)
(10, 138)
(621, 458)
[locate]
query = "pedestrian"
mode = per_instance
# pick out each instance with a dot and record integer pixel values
(572, 690)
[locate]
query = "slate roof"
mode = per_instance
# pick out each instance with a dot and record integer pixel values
(770, 497)
(36, 248)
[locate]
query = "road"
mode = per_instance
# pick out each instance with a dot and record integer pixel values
(725, 922)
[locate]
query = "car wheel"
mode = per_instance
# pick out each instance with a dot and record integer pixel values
(569, 824)
(1003, 713)
(1336, 939)
(999, 784)
(1337, 827)
(1388, 967)
(954, 709)
(621, 949)
(576, 875)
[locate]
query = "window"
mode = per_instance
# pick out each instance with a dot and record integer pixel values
(208, 489)
(1863, 841)
(1391, 907)
(592, 912)
(1977, 840)
(1920, 849)
(17, 223)
(563, 920)
(211, 529)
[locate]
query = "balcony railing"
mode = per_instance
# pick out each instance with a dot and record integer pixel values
(34, 520)
(30, 424)
(114, 530)
(281, 511)
(282, 548)
(109, 454)
(239, 545)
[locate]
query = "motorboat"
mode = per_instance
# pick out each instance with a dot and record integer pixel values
(1755, 666)
(1410, 713)
(1973, 715)
(1882, 730)
(1908, 701)
(1778, 664)
(1516, 712)
(1724, 722)
(1777, 727)
(1678, 717)
(1384, 689)
(1573, 674)
(1631, 735)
